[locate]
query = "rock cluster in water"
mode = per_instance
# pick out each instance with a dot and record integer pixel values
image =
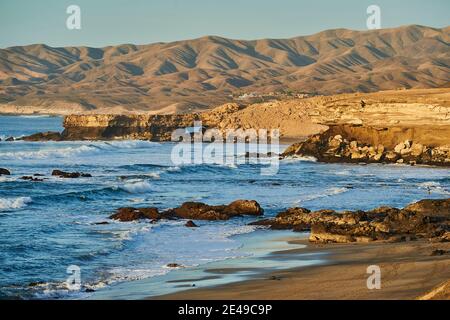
(424, 219)
(336, 148)
(192, 211)
(70, 175)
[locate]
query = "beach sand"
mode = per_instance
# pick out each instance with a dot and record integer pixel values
(409, 270)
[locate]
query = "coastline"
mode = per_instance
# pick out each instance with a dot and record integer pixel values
(257, 256)
(408, 271)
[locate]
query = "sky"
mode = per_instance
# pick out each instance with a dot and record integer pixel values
(112, 22)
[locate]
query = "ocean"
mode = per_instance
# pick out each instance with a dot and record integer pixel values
(46, 227)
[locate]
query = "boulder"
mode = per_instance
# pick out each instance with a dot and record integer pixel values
(391, 156)
(202, 211)
(191, 224)
(43, 136)
(29, 178)
(174, 265)
(10, 139)
(244, 207)
(417, 149)
(133, 214)
(4, 172)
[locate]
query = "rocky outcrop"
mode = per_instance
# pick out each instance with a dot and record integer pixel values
(191, 224)
(133, 127)
(30, 178)
(141, 126)
(425, 219)
(351, 144)
(133, 214)
(43, 136)
(70, 175)
(192, 211)
(201, 211)
(4, 172)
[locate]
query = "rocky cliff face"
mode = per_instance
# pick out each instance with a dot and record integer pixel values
(406, 126)
(135, 127)
(142, 127)
(347, 143)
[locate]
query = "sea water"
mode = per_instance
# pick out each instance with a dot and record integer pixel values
(45, 227)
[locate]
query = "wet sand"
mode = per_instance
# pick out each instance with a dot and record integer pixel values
(409, 270)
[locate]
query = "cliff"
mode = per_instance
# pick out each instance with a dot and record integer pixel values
(394, 116)
(406, 126)
(133, 127)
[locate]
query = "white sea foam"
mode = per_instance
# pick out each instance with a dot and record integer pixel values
(154, 175)
(130, 144)
(14, 203)
(327, 193)
(50, 153)
(137, 187)
(299, 158)
(173, 169)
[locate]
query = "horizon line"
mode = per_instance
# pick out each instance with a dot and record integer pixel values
(223, 37)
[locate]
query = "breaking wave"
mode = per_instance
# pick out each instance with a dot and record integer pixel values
(136, 187)
(14, 203)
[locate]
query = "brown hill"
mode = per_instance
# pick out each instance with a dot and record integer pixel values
(197, 74)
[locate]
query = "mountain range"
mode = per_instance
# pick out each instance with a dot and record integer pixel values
(201, 73)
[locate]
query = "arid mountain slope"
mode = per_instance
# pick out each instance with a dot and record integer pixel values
(200, 73)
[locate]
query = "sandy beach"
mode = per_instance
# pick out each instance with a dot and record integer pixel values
(409, 270)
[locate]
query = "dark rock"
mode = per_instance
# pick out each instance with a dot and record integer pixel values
(36, 284)
(4, 172)
(43, 136)
(133, 214)
(174, 265)
(202, 211)
(10, 139)
(70, 175)
(440, 252)
(29, 178)
(244, 207)
(101, 223)
(191, 224)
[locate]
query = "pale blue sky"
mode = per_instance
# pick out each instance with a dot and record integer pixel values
(110, 22)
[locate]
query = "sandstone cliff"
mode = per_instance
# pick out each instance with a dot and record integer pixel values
(395, 116)
(406, 126)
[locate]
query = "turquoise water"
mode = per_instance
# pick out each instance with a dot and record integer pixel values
(48, 226)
